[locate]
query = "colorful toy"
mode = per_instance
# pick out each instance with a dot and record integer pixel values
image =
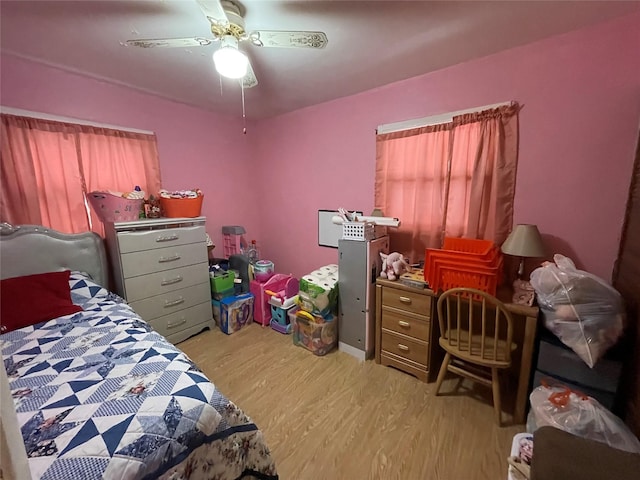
(393, 265)
(279, 284)
(235, 312)
(317, 334)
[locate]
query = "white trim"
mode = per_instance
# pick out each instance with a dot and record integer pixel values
(433, 120)
(353, 351)
(58, 118)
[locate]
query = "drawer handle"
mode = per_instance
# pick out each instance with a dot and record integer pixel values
(171, 281)
(402, 347)
(173, 303)
(167, 238)
(405, 299)
(172, 258)
(402, 323)
(174, 325)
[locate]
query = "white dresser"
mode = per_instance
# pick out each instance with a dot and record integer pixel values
(161, 267)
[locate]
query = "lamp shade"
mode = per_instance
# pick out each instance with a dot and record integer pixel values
(524, 241)
(229, 61)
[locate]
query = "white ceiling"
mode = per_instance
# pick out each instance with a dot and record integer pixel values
(371, 43)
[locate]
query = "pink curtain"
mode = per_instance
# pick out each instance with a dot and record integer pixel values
(118, 161)
(40, 156)
(454, 179)
(484, 160)
(48, 167)
(411, 173)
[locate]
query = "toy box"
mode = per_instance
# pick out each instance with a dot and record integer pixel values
(235, 312)
(317, 334)
(215, 308)
(264, 291)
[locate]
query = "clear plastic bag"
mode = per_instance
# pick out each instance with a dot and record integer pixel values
(582, 310)
(581, 415)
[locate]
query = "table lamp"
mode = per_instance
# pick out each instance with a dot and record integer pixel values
(524, 241)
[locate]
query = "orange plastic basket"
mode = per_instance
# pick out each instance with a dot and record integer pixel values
(181, 207)
(433, 255)
(436, 277)
(468, 245)
(452, 277)
(464, 262)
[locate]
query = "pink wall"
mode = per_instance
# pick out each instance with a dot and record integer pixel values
(196, 148)
(578, 132)
(579, 128)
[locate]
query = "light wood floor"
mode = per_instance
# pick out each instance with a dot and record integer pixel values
(334, 417)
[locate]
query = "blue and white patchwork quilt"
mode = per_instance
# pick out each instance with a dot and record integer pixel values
(99, 395)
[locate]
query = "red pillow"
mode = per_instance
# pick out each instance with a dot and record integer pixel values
(32, 299)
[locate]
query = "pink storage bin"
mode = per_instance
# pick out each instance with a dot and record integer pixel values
(112, 208)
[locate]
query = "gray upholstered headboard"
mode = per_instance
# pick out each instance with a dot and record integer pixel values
(31, 249)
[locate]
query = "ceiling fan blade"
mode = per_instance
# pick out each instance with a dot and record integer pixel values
(249, 80)
(170, 42)
(274, 38)
(213, 10)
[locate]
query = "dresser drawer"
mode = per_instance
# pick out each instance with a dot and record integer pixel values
(405, 347)
(150, 261)
(145, 240)
(408, 301)
(412, 327)
(159, 305)
(178, 321)
(137, 288)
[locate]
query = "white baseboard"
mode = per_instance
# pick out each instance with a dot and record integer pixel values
(353, 351)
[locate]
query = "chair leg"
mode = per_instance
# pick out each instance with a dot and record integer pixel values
(443, 371)
(495, 384)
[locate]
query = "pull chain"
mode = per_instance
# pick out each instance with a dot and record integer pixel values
(244, 117)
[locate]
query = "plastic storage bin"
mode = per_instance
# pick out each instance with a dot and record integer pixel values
(464, 262)
(317, 334)
(235, 312)
(181, 207)
(362, 231)
(222, 281)
(111, 208)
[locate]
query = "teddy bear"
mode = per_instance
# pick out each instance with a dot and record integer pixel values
(393, 265)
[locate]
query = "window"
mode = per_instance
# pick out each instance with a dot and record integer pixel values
(455, 178)
(48, 167)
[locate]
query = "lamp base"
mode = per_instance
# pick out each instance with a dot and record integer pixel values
(523, 293)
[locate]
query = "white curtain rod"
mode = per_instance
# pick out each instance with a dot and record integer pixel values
(58, 118)
(433, 120)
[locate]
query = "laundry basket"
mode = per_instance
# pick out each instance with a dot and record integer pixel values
(112, 208)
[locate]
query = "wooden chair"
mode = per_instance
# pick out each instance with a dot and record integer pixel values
(476, 332)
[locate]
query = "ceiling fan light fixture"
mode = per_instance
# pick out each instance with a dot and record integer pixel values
(228, 60)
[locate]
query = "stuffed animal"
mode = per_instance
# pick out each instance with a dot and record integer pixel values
(393, 265)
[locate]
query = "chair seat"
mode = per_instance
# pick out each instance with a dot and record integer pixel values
(471, 353)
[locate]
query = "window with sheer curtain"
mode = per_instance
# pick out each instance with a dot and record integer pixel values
(451, 179)
(48, 167)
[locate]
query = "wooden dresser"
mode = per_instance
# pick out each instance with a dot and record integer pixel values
(406, 334)
(161, 268)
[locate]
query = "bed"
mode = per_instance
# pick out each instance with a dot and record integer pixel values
(96, 393)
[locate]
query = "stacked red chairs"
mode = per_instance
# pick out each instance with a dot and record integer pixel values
(464, 262)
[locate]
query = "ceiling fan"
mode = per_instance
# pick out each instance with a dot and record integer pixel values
(227, 27)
